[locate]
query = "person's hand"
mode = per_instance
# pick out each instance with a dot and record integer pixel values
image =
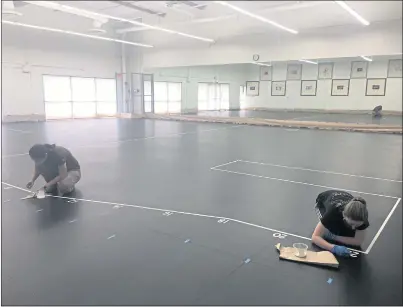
(30, 185)
(341, 251)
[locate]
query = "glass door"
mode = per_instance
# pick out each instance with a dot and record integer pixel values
(141, 93)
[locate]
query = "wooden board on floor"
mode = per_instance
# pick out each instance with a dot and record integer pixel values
(324, 258)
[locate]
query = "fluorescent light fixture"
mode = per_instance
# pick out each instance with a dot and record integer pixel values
(73, 10)
(344, 5)
(366, 58)
(261, 64)
(74, 33)
(235, 8)
(307, 61)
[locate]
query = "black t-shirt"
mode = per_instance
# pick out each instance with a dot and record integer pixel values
(57, 157)
(334, 202)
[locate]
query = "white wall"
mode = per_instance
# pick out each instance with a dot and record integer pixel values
(22, 70)
(191, 76)
(356, 100)
(336, 42)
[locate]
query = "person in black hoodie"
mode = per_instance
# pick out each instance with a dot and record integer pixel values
(57, 166)
(343, 219)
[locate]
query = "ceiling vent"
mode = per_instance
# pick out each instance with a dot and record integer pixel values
(97, 27)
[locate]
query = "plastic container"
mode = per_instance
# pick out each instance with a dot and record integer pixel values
(300, 249)
(41, 194)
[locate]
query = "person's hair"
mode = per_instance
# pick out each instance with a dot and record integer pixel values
(39, 151)
(377, 108)
(356, 210)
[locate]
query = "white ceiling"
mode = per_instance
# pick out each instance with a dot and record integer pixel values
(214, 21)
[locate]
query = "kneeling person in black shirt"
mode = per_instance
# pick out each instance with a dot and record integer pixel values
(343, 219)
(57, 166)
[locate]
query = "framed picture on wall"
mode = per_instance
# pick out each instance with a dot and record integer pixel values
(308, 87)
(376, 87)
(294, 71)
(340, 87)
(395, 68)
(325, 71)
(278, 88)
(265, 73)
(359, 69)
(252, 88)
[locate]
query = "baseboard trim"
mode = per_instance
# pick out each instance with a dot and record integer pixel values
(384, 112)
(23, 118)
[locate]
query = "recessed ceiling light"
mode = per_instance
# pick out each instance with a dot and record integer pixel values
(344, 5)
(74, 33)
(238, 9)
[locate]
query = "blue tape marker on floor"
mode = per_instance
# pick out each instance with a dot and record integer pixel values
(329, 281)
(247, 260)
(187, 241)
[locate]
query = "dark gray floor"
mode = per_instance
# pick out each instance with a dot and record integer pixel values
(88, 253)
(308, 116)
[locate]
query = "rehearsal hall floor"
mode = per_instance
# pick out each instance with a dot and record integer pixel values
(181, 213)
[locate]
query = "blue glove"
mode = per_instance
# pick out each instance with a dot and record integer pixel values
(341, 251)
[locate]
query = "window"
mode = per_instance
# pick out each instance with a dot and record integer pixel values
(167, 97)
(105, 91)
(76, 97)
(56, 110)
(224, 96)
(57, 89)
(83, 89)
(160, 97)
(174, 97)
(213, 96)
(57, 94)
(242, 94)
(83, 97)
(203, 96)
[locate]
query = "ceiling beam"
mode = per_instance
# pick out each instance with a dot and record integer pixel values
(19, 24)
(278, 8)
(255, 16)
(194, 5)
(194, 21)
(141, 9)
(94, 15)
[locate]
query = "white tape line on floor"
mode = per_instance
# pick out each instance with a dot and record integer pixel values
(178, 212)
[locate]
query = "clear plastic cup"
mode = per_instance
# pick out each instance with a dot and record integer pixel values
(300, 249)
(41, 194)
